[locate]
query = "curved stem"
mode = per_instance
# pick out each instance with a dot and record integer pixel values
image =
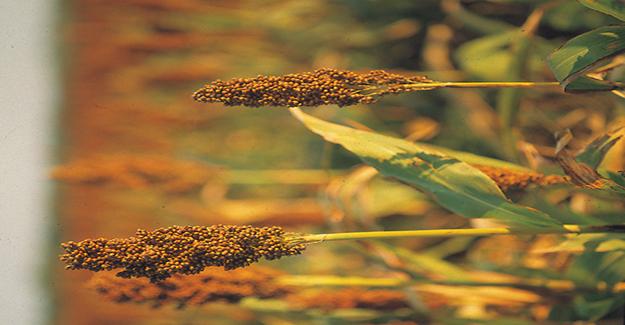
(566, 229)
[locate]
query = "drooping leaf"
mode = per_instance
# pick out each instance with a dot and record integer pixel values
(614, 8)
(583, 83)
(454, 184)
(593, 154)
(617, 178)
(581, 54)
(581, 173)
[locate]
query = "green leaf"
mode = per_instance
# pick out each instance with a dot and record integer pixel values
(594, 268)
(613, 8)
(583, 174)
(585, 52)
(584, 83)
(490, 57)
(486, 57)
(594, 308)
(470, 158)
(616, 178)
(454, 184)
(593, 153)
(561, 212)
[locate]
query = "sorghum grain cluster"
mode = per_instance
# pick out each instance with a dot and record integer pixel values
(213, 284)
(320, 87)
(509, 179)
(159, 254)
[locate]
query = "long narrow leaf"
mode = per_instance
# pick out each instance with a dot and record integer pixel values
(454, 184)
(614, 8)
(581, 54)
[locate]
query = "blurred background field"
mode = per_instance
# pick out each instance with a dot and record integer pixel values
(137, 152)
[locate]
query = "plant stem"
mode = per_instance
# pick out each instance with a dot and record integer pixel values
(529, 284)
(490, 84)
(566, 229)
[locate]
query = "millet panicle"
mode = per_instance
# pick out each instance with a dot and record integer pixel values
(319, 87)
(160, 253)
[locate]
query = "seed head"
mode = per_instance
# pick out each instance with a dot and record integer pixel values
(213, 284)
(352, 298)
(159, 254)
(320, 87)
(136, 171)
(509, 179)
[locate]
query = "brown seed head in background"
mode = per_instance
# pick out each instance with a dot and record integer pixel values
(213, 284)
(159, 254)
(136, 171)
(320, 87)
(509, 179)
(385, 300)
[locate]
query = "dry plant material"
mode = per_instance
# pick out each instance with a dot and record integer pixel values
(163, 252)
(134, 171)
(509, 179)
(581, 174)
(320, 87)
(384, 300)
(212, 285)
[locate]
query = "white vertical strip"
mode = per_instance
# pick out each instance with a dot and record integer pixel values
(27, 103)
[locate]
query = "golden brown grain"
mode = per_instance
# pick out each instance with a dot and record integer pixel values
(160, 253)
(213, 284)
(509, 179)
(320, 87)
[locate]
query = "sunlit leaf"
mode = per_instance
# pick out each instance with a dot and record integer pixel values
(581, 54)
(454, 184)
(593, 154)
(582, 171)
(617, 178)
(614, 8)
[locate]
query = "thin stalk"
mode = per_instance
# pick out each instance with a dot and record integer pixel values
(528, 284)
(489, 84)
(566, 229)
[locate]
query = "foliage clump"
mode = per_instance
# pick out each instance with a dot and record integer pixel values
(160, 253)
(320, 87)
